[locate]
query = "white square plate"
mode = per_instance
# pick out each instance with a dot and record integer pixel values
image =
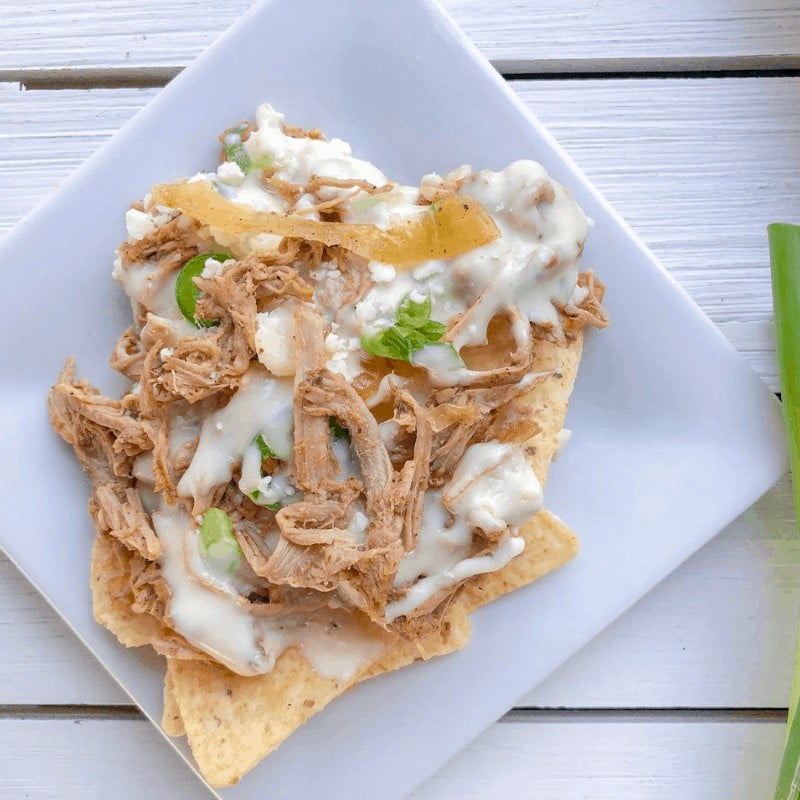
(674, 435)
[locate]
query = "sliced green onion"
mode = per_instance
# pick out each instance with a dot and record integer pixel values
(187, 294)
(255, 496)
(338, 431)
(265, 450)
(235, 152)
(217, 540)
(784, 248)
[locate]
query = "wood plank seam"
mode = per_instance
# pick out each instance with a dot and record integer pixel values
(516, 715)
(637, 714)
(608, 69)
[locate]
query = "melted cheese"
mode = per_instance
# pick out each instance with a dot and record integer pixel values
(262, 405)
(493, 487)
(214, 618)
(297, 160)
(424, 589)
(535, 261)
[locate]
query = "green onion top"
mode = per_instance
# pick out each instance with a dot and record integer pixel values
(255, 496)
(784, 247)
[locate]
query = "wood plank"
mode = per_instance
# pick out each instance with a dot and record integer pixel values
(637, 761)
(604, 760)
(519, 35)
(697, 167)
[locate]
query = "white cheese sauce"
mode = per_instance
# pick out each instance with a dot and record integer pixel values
(443, 541)
(493, 487)
(535, 260)
(262, 405)
(217, 621)
(425, 588)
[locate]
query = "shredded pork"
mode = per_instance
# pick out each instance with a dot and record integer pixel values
(341, 540)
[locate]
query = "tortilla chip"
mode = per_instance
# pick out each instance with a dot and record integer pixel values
(549, 400)
(112, 597)
(111, 578)
(233, 722)
(171, 720)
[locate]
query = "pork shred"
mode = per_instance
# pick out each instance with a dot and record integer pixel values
(339, 544)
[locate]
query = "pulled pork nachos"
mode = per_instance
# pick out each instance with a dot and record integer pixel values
(345, 395)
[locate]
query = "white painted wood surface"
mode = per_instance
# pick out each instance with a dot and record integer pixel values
(697, 167)
(551, 760)
(546, 35)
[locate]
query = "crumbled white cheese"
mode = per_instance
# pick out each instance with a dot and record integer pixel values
(382, 273)
(343, 355)
(117, 272)
(578, 295)
(381, 302)
(212, 268)
(230, 173)
(139, 224)
(335, 344)
(274, 346)
(165, 352)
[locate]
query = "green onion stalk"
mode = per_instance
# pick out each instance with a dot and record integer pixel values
(784, 247)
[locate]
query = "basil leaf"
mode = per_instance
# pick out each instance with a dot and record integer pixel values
(413, 330)
(412, 314)
(388, 343)
(433, 330)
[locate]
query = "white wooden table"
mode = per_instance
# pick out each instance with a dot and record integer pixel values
(687, 115)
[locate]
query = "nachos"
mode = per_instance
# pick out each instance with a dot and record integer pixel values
(345, 394)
